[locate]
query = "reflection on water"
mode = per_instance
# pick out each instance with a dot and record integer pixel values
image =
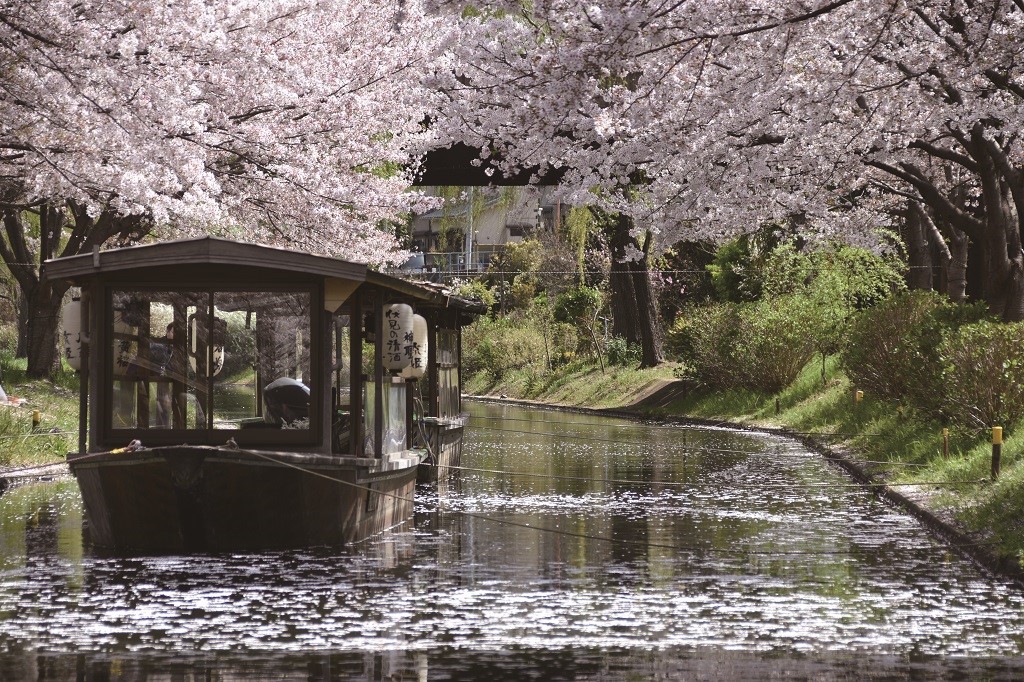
(730, 560)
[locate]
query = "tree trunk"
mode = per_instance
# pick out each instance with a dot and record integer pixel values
(919, 251)
(23, 317)
(634, 310)
(1002, 261)
(44, 304)
(956, 266)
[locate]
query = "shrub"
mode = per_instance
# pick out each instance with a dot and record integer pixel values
(892, 349)
(704, 339)
(983, 374)
(576, 304)
(622, 352)
(762, 346)
(500, 346)
(477, 290)
(775, 342)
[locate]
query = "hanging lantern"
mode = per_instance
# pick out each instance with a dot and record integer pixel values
(397, 335)
(71, 333)
(417, 350)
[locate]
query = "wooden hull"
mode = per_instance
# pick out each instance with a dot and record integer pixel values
(444, 445)
(204, 499)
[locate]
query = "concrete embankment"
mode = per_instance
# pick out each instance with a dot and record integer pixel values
(44, 472)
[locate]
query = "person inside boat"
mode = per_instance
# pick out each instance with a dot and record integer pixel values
(287, 402)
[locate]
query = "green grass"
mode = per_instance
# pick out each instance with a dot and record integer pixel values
(576, 384)
(57, 404)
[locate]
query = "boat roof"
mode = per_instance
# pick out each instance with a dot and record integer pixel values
(202, 251)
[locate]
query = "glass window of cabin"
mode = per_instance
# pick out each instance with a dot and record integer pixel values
(152, 386)
(200, 359)
(341, 380)
(258, 349)
(393, 395)
(447, 358)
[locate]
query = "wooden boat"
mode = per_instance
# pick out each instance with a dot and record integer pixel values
(242, 397)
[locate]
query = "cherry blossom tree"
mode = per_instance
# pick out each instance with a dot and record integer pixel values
(276, 121)
(706, 120)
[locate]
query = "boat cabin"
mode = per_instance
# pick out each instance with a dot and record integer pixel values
(206, 341)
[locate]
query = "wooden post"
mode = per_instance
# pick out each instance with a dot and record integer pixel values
(778, 407)
(997, 449)
(83, 374)
(433, 407)
(378, 375)
(945, 443)
(355, 372)
(410, 429)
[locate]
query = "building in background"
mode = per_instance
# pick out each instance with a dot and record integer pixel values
(454, 239)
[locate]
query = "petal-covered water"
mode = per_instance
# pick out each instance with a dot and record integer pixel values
(572, 547)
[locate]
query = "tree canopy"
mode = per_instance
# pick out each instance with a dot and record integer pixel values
(275, 120)
(720, 116)
(299, 123)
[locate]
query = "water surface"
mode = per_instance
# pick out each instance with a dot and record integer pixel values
(575, 547)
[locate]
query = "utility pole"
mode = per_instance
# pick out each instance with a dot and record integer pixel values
(469, 233)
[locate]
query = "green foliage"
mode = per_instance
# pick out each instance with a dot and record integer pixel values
(57, 402)
(579, 225)
(500, 345)
(577, 304)
(832, 285)
(893, 348)
(578, 308)
(623, 353)
(704, 339)
(775, 342)
(515, 260)
(477, 290)
(761, 346)
(735, 272)
(511, 274)
(983, 374)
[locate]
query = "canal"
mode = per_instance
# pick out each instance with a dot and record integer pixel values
(572, 547)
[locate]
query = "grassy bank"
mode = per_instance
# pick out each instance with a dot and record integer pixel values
(893, 443)
(57, 404)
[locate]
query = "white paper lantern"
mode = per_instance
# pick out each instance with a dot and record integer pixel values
(417, 349)
(71, 332)
(397, 335)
